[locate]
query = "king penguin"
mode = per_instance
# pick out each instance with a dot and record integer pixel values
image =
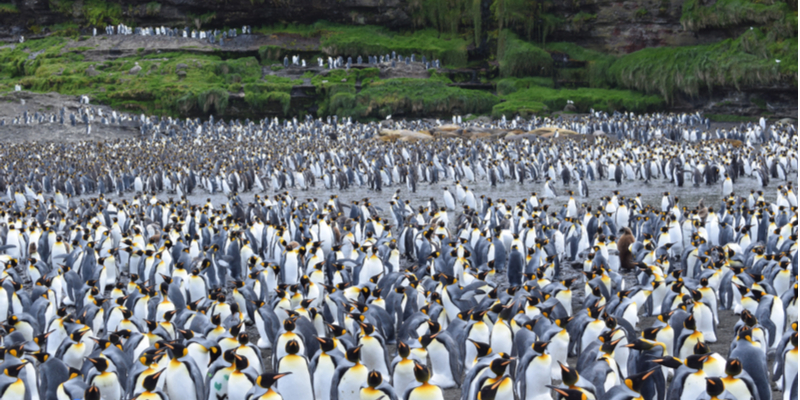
(297, 384)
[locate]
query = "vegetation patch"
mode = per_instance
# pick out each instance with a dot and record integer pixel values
(510, 85)
(730, 13)
(537, 99)
(408, 97)
(752, 59)
(8, 8)
(451, 50)
(520, 58)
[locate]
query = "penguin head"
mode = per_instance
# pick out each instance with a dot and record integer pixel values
(177, 350)
(151, 381)
(243, 339)
(498, 365)
(635, 382)
(268, 379)
(421, 372)
(100, 364)
(91, 393)
(696, 361)
(540, 347)
(15, 370)
(669, 362)
(483, 348)
(701, 348)
(733, 367)
(714, 387)
(569, 394)
(374, 379)
(489, 392)
(241, 363)
(327, 344)
(354, 355)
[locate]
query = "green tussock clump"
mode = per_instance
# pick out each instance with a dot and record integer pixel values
(153, 8)
(372, 40)
(584, 99)
(406, 96)
(520, 58)
(8, 8)
(729, 13)
(747, 61)
(511, 85)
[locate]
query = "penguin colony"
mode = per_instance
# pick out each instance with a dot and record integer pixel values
(290, 298)
(218, 37)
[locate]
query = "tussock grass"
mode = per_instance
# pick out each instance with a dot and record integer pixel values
(731, 13)
(520, 58)
(742, 62)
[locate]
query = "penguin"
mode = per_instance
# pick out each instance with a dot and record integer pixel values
(242, 379)
(531, 382)
(263, 390)
(14, 388)
(150, 386)
(737, 382)
(183, 378)
(298, 383)
(107, 382)
(689, 379)
(376, 389)
(445, 359)
(349, 377)
(324, 366)
(425, 390)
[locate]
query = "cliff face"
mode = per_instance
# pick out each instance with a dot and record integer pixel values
(621, 27)
(611, 26)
